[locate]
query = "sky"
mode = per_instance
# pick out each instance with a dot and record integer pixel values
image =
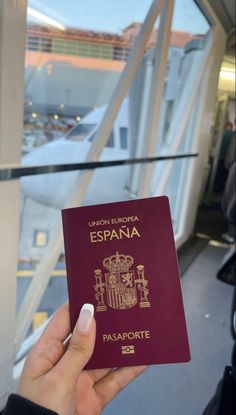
(114, 16)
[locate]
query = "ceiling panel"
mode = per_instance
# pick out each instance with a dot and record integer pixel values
(225, 10)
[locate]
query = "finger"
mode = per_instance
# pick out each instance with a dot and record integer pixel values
(116, 380)
(59, 325)
(49, 348)
(80, 347)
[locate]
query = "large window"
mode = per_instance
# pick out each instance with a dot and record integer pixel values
(72, 68)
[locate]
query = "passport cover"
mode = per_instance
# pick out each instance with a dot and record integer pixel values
(121, 258)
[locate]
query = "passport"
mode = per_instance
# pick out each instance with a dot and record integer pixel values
(121, 258)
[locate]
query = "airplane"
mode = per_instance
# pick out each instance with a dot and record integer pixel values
(107, 184)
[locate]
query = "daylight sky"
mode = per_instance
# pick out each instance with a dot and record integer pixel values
(113, 16)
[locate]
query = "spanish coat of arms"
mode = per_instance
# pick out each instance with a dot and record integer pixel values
(121, 287)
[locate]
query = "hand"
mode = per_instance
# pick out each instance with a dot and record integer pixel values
(53, 374)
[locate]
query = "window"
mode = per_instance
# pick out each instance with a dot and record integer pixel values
(46, 44)
(58, 46)
(78, 85)
(120, 53)
(33, 42)
(123, 138)
(80, 132)
(167, 119)
(40, 238)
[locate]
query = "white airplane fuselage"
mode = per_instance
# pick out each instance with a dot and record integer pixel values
(107, 184)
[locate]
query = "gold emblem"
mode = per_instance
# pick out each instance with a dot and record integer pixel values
(121, 284)
(127, 349)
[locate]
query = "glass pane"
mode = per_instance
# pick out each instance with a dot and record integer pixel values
(187, 43)
(72, 67)
(185, 12)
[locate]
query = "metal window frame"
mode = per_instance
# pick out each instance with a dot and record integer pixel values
(12, 45)
(201, 138)
(153, 110)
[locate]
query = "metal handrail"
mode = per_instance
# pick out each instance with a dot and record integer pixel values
(12, 173)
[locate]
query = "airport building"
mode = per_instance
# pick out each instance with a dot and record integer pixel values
(76, 59)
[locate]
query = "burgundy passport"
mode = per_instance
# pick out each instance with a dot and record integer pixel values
(121, 258)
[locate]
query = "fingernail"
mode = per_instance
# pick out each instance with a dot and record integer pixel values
(85, 320)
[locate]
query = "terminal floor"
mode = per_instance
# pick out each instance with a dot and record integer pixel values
(185, 389)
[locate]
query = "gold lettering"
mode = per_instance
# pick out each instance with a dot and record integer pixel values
(93, 237)
(103, 222)
(114, 234)
(134, 232)
(122, 232)
(131, 335)
(99, 236)
(106, 233)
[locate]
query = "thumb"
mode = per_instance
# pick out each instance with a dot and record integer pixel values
(81, 345)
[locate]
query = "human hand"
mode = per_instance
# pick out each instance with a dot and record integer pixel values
(53, 374)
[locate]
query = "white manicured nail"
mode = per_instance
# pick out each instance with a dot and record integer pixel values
(85, 319)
